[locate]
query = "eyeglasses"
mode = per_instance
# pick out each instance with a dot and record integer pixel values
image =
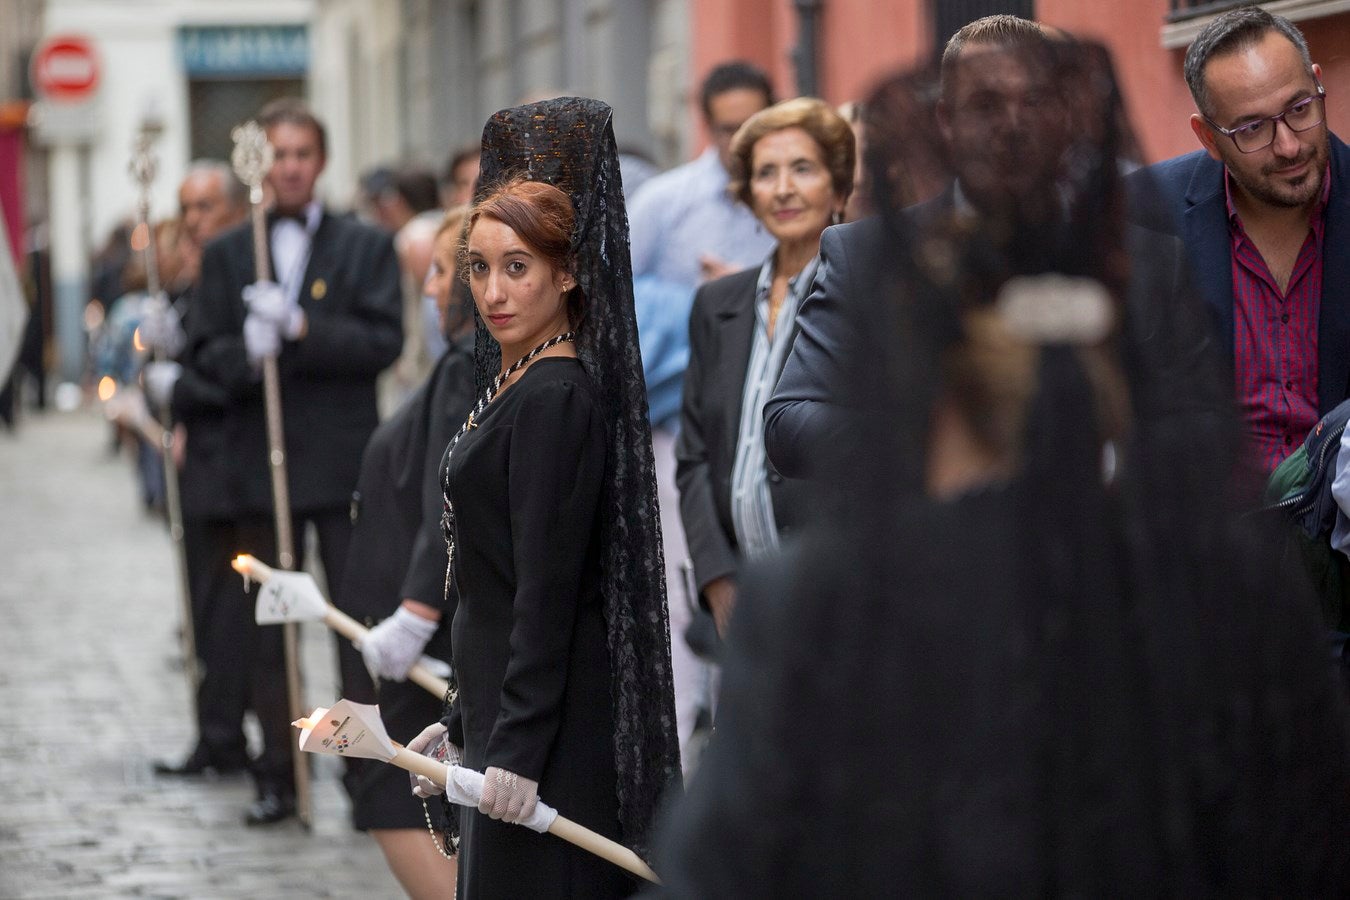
(1250, 137)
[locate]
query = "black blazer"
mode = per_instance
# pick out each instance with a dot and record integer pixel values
(720, 333)
(1170, 351)
(1192, 189)
(201, 406)
(351, 298)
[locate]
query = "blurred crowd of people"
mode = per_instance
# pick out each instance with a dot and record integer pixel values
(909, 456)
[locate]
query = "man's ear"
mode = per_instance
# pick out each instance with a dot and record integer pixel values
(944, 119)
(1208, 139)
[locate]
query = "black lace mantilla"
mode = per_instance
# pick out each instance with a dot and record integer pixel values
(569, 142)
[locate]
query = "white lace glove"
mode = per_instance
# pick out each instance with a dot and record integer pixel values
(161, 328)
(267, 300)
(395, 645)
(261, 339)
(159, 379)
(432, 742)
(508, 796)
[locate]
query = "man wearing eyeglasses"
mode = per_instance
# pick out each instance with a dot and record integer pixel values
(1264, 215)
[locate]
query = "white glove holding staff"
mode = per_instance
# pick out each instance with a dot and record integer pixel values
(268, 301)
(159, 379)
(161, 327)
(260, 339)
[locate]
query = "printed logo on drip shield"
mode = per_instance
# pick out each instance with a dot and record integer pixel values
(278, 600)
(340, 741)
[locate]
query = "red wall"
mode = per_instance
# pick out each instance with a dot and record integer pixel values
(859, 41)
(864, 40)
(1156, 97)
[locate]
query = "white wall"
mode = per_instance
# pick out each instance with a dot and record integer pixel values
(138, 43)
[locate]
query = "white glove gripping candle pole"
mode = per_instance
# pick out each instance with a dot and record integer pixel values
(294, 597)
(355, 729)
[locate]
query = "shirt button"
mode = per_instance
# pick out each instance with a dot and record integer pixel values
(1284, 318)
(1288, 440)
(1288, 385)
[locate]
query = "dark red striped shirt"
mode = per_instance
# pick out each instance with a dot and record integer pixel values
(1275, 337)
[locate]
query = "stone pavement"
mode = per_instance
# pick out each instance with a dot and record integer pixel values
(91, 695)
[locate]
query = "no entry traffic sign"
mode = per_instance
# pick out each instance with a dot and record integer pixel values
(65, 69)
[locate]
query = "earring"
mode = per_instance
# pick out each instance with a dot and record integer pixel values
(837, 218)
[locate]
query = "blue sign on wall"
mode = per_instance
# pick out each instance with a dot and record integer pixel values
(244, 51)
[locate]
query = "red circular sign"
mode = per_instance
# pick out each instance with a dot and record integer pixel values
(65, 68)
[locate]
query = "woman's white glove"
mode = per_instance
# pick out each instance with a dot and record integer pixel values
(432, 742)
(508, 796)
(394, 646)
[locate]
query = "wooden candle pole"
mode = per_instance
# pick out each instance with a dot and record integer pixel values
(321, 610)
(252, 158)
(355, 729)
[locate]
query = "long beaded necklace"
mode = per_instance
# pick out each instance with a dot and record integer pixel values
(448, 515)
(447, 512)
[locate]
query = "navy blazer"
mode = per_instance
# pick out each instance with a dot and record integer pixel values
(1193, 190)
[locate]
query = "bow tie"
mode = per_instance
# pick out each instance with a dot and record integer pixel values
(298, 217)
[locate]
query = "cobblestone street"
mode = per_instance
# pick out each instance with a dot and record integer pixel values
(93, 693)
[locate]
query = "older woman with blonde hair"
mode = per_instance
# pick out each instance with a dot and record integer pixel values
(793, 165)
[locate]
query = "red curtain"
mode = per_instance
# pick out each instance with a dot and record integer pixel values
(11, 189)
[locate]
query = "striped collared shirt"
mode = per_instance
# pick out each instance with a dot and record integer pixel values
(1275, 337)
(751, 503)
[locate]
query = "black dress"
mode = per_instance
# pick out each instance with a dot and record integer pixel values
(529, 636)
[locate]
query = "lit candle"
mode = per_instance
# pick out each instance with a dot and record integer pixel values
(251, 567)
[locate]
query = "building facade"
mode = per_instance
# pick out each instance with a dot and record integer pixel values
(409, 81)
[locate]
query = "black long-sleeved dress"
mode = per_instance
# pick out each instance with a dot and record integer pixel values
(529, 635)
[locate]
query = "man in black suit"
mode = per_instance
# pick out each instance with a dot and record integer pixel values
(211, 200)
(1002, 125)
(333, 318)
(1264, 214)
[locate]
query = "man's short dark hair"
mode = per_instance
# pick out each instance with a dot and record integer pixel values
(1002, 30)
(458, 158)
(1235, 30)
(418, 189)
(293, 111)
(730, 76)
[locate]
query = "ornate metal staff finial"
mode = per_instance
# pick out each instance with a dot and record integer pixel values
(144, 164)
(251, 158)
(143, 167)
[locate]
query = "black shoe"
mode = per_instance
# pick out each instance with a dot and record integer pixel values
(269, 808)
(198, 763)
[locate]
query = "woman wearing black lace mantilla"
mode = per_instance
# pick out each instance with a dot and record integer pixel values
(560, 633)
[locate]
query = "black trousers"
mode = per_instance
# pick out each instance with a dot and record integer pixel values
(222, 626)
(266, 655)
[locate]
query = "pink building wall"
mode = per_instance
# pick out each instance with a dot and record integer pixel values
(862, 40)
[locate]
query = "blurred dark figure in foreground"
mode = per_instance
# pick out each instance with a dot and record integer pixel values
(1041, 655)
